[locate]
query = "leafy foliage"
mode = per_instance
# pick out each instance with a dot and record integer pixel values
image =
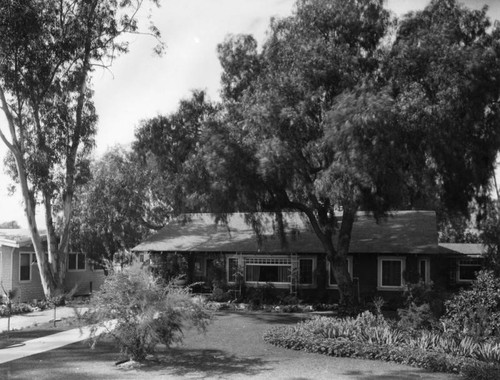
(372, 337)
(114, 210)
(48, 51)
(10, 225)
(475, 311)
(144, 311)
(489, 225)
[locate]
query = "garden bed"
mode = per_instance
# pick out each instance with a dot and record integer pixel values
(371, 337)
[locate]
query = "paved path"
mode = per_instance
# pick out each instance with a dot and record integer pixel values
(46, 343)
(18, 322)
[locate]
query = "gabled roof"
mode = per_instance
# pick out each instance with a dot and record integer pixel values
(401, 232)
(17, 237)
(468, 249)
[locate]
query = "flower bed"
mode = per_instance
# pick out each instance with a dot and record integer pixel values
(372, 337)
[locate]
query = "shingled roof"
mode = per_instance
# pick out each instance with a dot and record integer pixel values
(17, 237)
(401, 232)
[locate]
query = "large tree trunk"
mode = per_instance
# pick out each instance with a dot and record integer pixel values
(49, 283)
(337, 257)
(339, 260)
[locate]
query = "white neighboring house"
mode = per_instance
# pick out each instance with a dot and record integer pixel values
(19, 269)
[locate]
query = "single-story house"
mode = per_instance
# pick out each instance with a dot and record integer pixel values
(384, 255)
(467, 259)
(19, 269)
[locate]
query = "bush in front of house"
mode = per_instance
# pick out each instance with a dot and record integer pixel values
(16, 308)
(139, 312)
(475, 311)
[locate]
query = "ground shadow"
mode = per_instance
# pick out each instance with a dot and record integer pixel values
(208, 363)
(60, 364)
(19, 336)
(392, 375)
(270, 318)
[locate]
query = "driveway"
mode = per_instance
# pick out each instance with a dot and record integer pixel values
(232, 348)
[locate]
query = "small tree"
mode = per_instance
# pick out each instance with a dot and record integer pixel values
(147, 312)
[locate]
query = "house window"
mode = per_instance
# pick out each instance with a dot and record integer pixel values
(25, 266)
(306, 267)
(424, 273)
(467, 269)
(268, 270)
(76, 261)
(332, 282)
(390, 273)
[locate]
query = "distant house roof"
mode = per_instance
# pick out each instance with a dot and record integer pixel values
(17, 237)
(401, 232)
(469, 249)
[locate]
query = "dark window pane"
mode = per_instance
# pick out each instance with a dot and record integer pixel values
(267, 273)
(306, 271)
(423, 270)
(468, 272)
(81, 261)
(25, 267)
(391, 273)
(72, 261)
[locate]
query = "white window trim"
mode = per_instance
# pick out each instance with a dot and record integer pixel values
(427, 279)
(85, 262)
(381, 259)
(31, 262)
(466, 280)
(349, 269)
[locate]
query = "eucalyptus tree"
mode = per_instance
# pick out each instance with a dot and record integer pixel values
(48, 51)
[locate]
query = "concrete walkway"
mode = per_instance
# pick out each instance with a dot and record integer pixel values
(22, 321)
(46, 343)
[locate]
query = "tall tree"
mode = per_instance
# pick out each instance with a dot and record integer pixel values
(48, 51)
(115, 209)
(334, 117)
(307, 121)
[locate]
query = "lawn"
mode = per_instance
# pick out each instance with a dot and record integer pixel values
(232, 348)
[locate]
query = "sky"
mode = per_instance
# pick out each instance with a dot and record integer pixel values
(140, 85)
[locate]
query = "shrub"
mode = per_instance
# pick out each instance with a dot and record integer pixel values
(219, 295)
(16, 308)
(373, 337)
(475, 311)
(416, 317)
(480, 371)
(145, 312)
(292, 338)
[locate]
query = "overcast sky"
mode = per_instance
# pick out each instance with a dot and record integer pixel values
(141, 86)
